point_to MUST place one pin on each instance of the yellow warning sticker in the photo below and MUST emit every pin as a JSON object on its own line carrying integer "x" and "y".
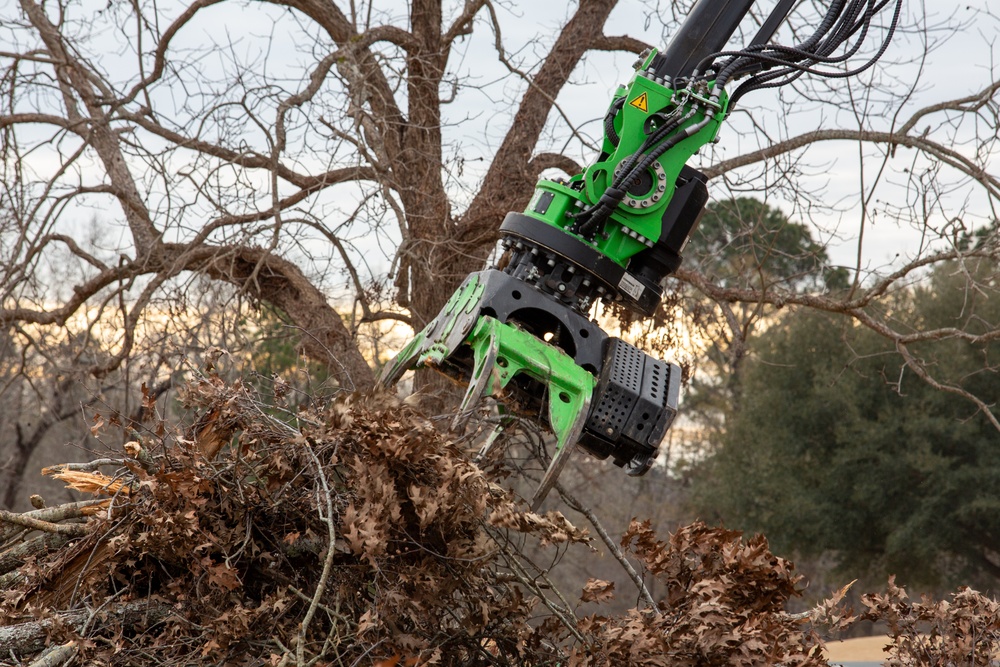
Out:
{"x": 641, "y": 103}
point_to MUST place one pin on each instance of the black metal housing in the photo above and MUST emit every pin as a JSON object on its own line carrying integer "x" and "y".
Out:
{"x": 633, "y": 406}
{"x": 575, "y": 274}
{"x": 705, "y": 31}
{"x": 512, "y": 301}
{"x": 679, "y": 220}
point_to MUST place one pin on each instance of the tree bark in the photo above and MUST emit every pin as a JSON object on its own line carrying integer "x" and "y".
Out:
{"x": 15, "y": 557}
{"x": 279, "y": 282}
{"x": 33, "y": 636}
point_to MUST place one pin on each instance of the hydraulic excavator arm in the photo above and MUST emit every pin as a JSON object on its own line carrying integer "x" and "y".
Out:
{"x": 522, "y": 331}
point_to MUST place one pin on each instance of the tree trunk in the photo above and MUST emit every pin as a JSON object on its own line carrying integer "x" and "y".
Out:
{"x": 282, "y": 284}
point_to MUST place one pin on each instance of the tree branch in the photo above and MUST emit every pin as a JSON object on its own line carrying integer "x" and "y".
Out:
{"x": 508, "y": 184}
{"x": 544, "y": 161}
{"x": 618, "y": 43}
{"x": 77, "y": 79}
{"x": 462, "y": 25}
{"x": 33, "y": 636}
{"x": 946, "y": 155}
{"x": 281, "y": 283}
{"x": 72, "y": 530}
{"x": 640, "y": 585}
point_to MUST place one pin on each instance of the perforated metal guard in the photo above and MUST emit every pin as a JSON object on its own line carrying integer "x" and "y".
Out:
{"x": 654, "y": 411}
{"x": 618, "y": 389}
{"x": 635, "y": 402}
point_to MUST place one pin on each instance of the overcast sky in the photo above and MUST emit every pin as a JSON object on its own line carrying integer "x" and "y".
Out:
{"x": 480, "y": 117}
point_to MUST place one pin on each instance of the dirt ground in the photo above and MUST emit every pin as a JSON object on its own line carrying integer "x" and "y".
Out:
{"x": 862, "y": 649}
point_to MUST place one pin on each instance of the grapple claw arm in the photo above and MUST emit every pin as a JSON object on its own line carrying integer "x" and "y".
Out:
{"x": 442, "y": 335}
{"x": 501, "y": 353}
{"x": 621, "y": 410}
{"x": 485, "y": 361}
{"x": 567, "y": 434}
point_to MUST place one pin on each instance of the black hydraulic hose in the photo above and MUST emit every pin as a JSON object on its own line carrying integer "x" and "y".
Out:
{"x": 589, "y": 218}
{"x": 609, "y": 121}
{"x": 614, "y": 195}
{"x": 848, "y": 26}
{"x": 842, "y": 19}
{"x": 797, "y": 60}
{"x": 628, "y": 168}
{"x": 828, "y": 21}
{"x": 793, "y": 72}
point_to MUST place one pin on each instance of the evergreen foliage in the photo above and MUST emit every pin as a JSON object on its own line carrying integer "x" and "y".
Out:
{"x": 743, "y": 241}
{"x": 839, "y": 447}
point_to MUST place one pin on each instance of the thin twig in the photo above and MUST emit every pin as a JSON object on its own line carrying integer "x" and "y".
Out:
{"x": 327, "y": 562}
{"x": 522, "y": 576}
{"x": 572, "y": 501}
{"x": 93, "y": 614}
{"x": 309, "y": 598}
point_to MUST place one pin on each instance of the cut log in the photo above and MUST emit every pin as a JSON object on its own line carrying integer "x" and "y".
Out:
{"x": 14, "y": 557}
{"x": 31, "y": 637}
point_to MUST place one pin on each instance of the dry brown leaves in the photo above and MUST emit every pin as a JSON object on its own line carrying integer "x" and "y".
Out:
{"x": 724, "y": 606}
{"x": 363, "y": 536}
{"x": 962, "y": 631}
{"x": 240, "y": 548}
{"x": 550, "y": 528}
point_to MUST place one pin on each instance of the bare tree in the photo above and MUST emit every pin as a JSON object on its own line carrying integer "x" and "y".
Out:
{"x": 297, "y": 148}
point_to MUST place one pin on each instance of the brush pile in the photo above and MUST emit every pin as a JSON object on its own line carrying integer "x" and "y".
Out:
{"x": 361, "y": 535}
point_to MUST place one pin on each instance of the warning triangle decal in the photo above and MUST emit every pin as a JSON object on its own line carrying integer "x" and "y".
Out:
{"x": 641, "y": 103}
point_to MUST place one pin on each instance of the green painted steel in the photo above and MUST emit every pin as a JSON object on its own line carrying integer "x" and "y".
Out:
{"x": 442, "y": 335}
{"x": 516, "y": 351}
{"x": 502, "y": 352}
{"x": 647, "y": 105}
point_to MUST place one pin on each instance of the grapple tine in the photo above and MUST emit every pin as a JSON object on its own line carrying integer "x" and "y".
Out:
{"x": 487, "y": 447}
{"x": 442, "y": 335}
{"x": 404, "y": 361}
{"x": 567, "y": 435}
{"x": 482, "y": 373}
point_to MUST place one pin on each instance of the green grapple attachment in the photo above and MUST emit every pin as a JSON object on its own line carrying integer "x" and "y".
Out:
{"x": 626, "y": 218}
{"x": 522, "y": 332}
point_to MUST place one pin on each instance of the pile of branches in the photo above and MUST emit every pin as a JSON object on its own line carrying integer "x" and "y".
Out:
{"x": 360, "y": 534}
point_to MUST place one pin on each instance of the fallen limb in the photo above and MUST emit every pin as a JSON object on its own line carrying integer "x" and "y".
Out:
{"x": 11, "y": 580}
{"x": 15, "y": 556}
{"x": 74, "y": 530}
{"x": 56, "y": 656}
{"x": 95, "y": 483}
{"x": 87, "y": 466}
{"x": 54, "y": 515}
{"x": 33, "y": 636}
{"x": 610, "y": 544}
